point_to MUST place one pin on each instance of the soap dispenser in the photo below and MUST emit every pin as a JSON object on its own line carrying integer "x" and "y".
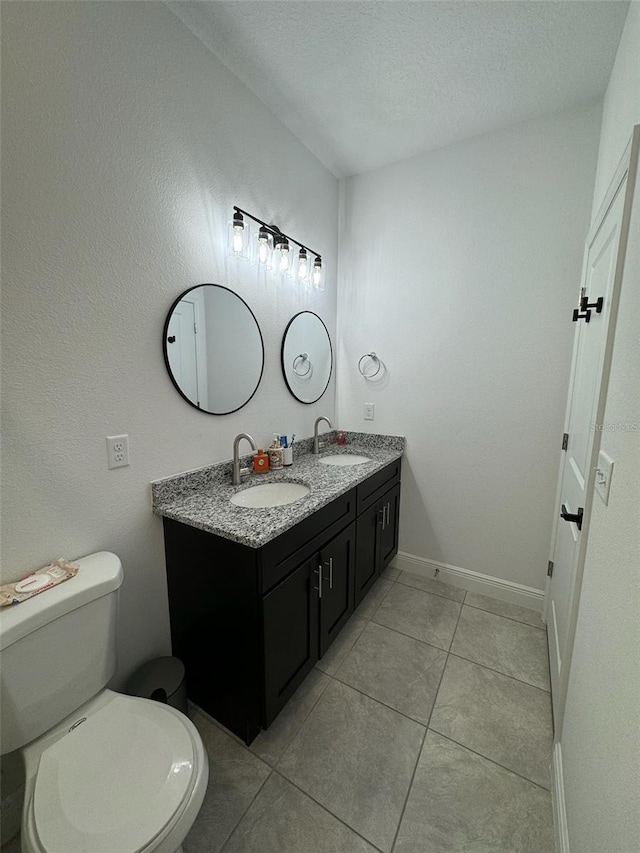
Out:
{"x": 276, "y": 460}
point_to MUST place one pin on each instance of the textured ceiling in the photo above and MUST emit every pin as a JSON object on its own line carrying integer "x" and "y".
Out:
{"x": 363, "y": 84}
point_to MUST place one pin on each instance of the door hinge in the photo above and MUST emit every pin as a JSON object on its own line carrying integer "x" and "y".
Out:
{"x": 550, "y": 568}
{"x": 565, "y": 440}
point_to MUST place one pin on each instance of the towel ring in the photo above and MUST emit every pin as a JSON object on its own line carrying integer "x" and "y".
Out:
{"x": 374, "y": 358}
{"x": 304, "y": 357}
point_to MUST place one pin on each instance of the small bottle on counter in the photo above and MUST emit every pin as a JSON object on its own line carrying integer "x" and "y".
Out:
{"x": 341, "y": 438}
{"x": 275, "y": 454}
{"x": 260, "y": 462}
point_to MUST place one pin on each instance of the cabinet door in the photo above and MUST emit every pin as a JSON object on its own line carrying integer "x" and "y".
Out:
{"x": 389, "y": 528}
{"x": 368, "y": 528}
{"x": 290, "y": 619}
{"x": 337, "y": 564}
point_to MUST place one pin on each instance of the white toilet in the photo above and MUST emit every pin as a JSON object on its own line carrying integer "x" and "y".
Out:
{"x": 105, "y": 773}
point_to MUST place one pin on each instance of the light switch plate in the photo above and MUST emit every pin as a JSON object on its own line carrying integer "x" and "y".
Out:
{"x": 604, "y": 472}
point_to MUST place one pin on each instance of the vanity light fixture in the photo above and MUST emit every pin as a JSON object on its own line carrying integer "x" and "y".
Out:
{"x": 273, "y": 249}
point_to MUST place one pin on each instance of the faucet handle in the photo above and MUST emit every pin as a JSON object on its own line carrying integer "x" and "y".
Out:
{"x": 244, "y": 471}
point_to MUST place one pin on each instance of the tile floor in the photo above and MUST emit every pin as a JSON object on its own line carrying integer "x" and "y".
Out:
{"x": 425, "y": 729}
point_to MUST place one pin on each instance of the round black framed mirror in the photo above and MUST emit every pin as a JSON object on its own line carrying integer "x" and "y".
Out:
{"x": 307, "y": 357}
{"x": 213, "y": 349}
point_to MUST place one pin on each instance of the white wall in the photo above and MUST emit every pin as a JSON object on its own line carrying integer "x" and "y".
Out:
{"x": 125, "y": 144}
{"x": 621, "y": 107}
{"x": 601, "y": 733}
{"x": 460, "y": 268}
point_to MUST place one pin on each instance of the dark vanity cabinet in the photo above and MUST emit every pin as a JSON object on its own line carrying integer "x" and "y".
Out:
{"x": 250, "y": 623}
{"x": 336, "y": 568}
{"x": 302, "y": 616}
{"x": 290, "y": 619}
{"x": 377, "y": 526}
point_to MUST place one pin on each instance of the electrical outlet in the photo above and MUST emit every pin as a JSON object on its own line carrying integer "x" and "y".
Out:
{"x": 369, "y": 411}
{"x": 118, "y": 451}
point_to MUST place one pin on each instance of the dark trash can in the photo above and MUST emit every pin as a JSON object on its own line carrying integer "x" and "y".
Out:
{"x": 161, "y": 679}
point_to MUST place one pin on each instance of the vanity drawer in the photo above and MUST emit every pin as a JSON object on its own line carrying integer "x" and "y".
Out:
{"x": 377, "y": 485}
{"x": 283, "y": 554}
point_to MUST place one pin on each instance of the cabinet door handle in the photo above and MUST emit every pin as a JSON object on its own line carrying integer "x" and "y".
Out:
{"x": 319, "y": 587}
{"x": 381, "y": 516}
{"x": 387, "y": 513}
{"x": 328, "y": 563}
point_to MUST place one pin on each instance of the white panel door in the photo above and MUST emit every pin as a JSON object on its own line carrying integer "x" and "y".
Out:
{"x": 602, "y": 272}
{"x": 181, "y": 349}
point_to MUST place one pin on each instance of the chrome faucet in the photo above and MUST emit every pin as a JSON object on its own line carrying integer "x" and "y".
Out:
{"x": 236, "y": 478}
{"x": 316, "y": 440}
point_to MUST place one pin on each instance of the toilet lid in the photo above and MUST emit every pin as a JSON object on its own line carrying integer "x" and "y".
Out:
{"x": 115, "y": 781}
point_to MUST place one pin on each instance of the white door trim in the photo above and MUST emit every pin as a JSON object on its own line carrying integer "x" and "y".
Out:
{"x": 196, "y": 298}
{"x": 560, "y": 825}
{"x": 627, "y": 169}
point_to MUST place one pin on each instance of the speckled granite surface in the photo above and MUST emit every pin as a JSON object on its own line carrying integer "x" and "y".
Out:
{"x": 201, "y": 498}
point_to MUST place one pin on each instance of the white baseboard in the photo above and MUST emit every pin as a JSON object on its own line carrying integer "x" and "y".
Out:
{"x": 514, "y": 593}
{"x": 557, "y": 798}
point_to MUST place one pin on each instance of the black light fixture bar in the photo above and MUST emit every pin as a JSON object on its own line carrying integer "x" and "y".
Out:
{"x": 275, "y": 231}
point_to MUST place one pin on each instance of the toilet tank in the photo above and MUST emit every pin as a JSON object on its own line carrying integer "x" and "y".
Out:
{"x": 57, "y": 650}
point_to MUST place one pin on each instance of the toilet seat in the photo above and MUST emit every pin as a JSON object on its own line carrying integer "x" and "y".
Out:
{"x": 116, "y": 781}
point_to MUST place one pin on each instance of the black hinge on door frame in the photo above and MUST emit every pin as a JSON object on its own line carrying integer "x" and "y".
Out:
{"x": 550, "y": 568}
{"x": 565, "y": 440}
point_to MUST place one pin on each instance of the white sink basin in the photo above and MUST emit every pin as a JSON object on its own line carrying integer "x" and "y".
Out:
{"x": 344, "y": 459}
{"x": 270, "y": 494}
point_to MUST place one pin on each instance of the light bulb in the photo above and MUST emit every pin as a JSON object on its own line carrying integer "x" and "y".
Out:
{"x": 263, "y": 246}
{"x": 285, "y": 260}
{"x": 303, "y": 265}
{"x": 317, "y": 273}
{"x": 238, "y": 234}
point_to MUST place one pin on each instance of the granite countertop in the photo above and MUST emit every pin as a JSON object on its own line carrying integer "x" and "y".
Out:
{"x": 201, "y": 498}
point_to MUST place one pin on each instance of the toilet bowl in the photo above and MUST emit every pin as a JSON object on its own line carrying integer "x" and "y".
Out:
{"x": 105, "y": 773}
{"x": 122, "y": 774}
